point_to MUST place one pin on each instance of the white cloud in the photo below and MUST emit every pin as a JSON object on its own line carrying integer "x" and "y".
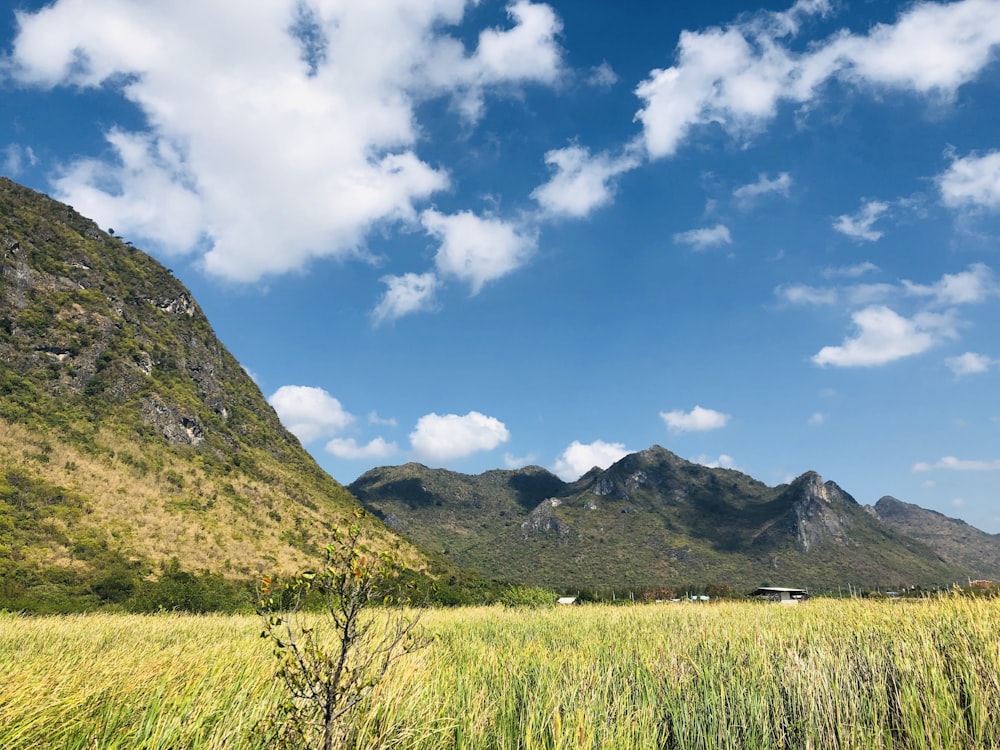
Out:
{"x": 696, "y": 420}
{"x": 702, "y": 239}
{"x": 850, "y": 272}
{"x": 516, "y": 462}
{"x": 475, "y": 249}
{"x": 449, "y": 436}
{"x": 803, "y": 294}
{"x": 884, "y": 336}
{"x": 748, "y": 194}
{"x": 374, "y": 418}
{"x": 580, "y": 182}
{"x": 972, "y": 181}
{"x": 309, "y": 413}
{"x": 817, "y": 419}
{"x": 602, "y": 76}
{"x": 966, "y": 287}
{"x": 724, "y": 461}
{"x": 16, "y": 158}
{"x": 406, "y": 294}
{"x": 860, "y": 225}
{"x": 348, "y": 449}
{"x": 267, "y": 147}
{"x": 958, "y": 502}
{"x": 970, "y": 363}
{"x": 957, "y": 464}
{"x": 579, "y": 458}
{"x": 738, "y": 75}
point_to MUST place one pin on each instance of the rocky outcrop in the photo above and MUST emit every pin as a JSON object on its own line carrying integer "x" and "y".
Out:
{"x": 542, "y": 520}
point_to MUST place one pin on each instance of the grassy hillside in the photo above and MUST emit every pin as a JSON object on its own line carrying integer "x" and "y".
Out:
{"x": 129, "y": 435}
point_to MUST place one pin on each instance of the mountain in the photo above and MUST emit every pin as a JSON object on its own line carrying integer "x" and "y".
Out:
{"x": 129, "y": 435}
{"x": 953, "y": 540}
{"x": 650, "y": 520}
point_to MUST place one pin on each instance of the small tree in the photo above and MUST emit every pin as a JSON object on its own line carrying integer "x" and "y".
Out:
{"x": 332, "y": 659}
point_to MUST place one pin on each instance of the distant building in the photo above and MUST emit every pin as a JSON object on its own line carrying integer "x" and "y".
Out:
{"x": 981, "y": 584}
{"x": 780, "y": 595}
{"x": 566, "y": 600}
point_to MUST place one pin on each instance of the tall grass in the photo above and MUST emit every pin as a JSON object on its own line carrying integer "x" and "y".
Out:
{"x": 829, "y": 674}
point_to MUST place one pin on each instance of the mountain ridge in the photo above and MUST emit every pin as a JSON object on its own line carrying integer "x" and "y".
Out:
{"x": 651, "y": 519}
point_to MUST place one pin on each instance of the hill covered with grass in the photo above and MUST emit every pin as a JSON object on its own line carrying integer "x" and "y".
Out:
{"x": 133, "y": 445}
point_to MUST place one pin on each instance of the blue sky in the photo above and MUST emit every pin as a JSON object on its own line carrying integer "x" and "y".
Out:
{"x": 483, "y": 235}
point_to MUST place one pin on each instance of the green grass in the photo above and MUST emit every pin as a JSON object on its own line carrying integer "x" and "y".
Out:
{"x": 828, "y": 674}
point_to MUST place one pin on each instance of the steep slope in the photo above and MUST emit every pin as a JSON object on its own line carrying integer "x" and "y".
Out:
{"x": 652, "y": 519}
{"x": 128, "y": 434}
{"x": 952, "y": 539}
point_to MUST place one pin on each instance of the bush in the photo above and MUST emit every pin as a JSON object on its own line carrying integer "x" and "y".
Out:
{"x": 527, "y": 596}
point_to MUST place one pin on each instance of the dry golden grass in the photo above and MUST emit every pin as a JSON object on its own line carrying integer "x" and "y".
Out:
{"x": 157, "y": 504}
{"x": 851, "y": 675}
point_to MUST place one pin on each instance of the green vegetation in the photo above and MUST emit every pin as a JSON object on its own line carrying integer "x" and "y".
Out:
{"x": 853, "y": 674}
{"x": 332, "y": 661}
{"x": 129, "y": 436}
{"x": 651, "y": 520}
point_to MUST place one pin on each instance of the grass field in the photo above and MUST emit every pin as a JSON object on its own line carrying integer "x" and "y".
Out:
{"x": 828, "y": 674}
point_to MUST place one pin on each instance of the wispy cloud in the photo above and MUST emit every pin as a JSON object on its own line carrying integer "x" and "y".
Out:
{"x": 702, "y": 239}
{"x": 850, "y": 272}
{"x": 859, "y": 226}
{"x": 881, "y": 333}
{"x": 404, "y": 295}
{"x": 747, "y": 195}
{"x": 974, "y": 285}
{"x": 951, "y": 463}
{"x": 970, "y": 363}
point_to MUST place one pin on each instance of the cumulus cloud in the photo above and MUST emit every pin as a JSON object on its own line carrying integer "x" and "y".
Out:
{"x": 406, "y": 294}
{"x": 737, "y": 76}
{"x": 724, "y": 461}
{"x": 967, "y": 287}
{"x": 970, "y": 363}
{"x": 476, "y": 249}
{"x": 860, "y": 226}
{"x": 746, "y": 195}
{"x": 972, "y": 182}
{"x": 309, "y": 413}
{"x": 952, "y": 463}
{"x": 348, "y": 449}
{"x": 580, "y": 182}
{"x": 275, "y": 135}
{"x": 579, "y": 458}
{"x": 450, "y": 436}
{"x": 883, "y": 335}
{"x": 702, "y": 239}
{"x": 696, "y": 420}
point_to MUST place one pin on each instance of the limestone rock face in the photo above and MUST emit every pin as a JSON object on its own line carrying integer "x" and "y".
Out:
{"x": 819, "y": 512}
